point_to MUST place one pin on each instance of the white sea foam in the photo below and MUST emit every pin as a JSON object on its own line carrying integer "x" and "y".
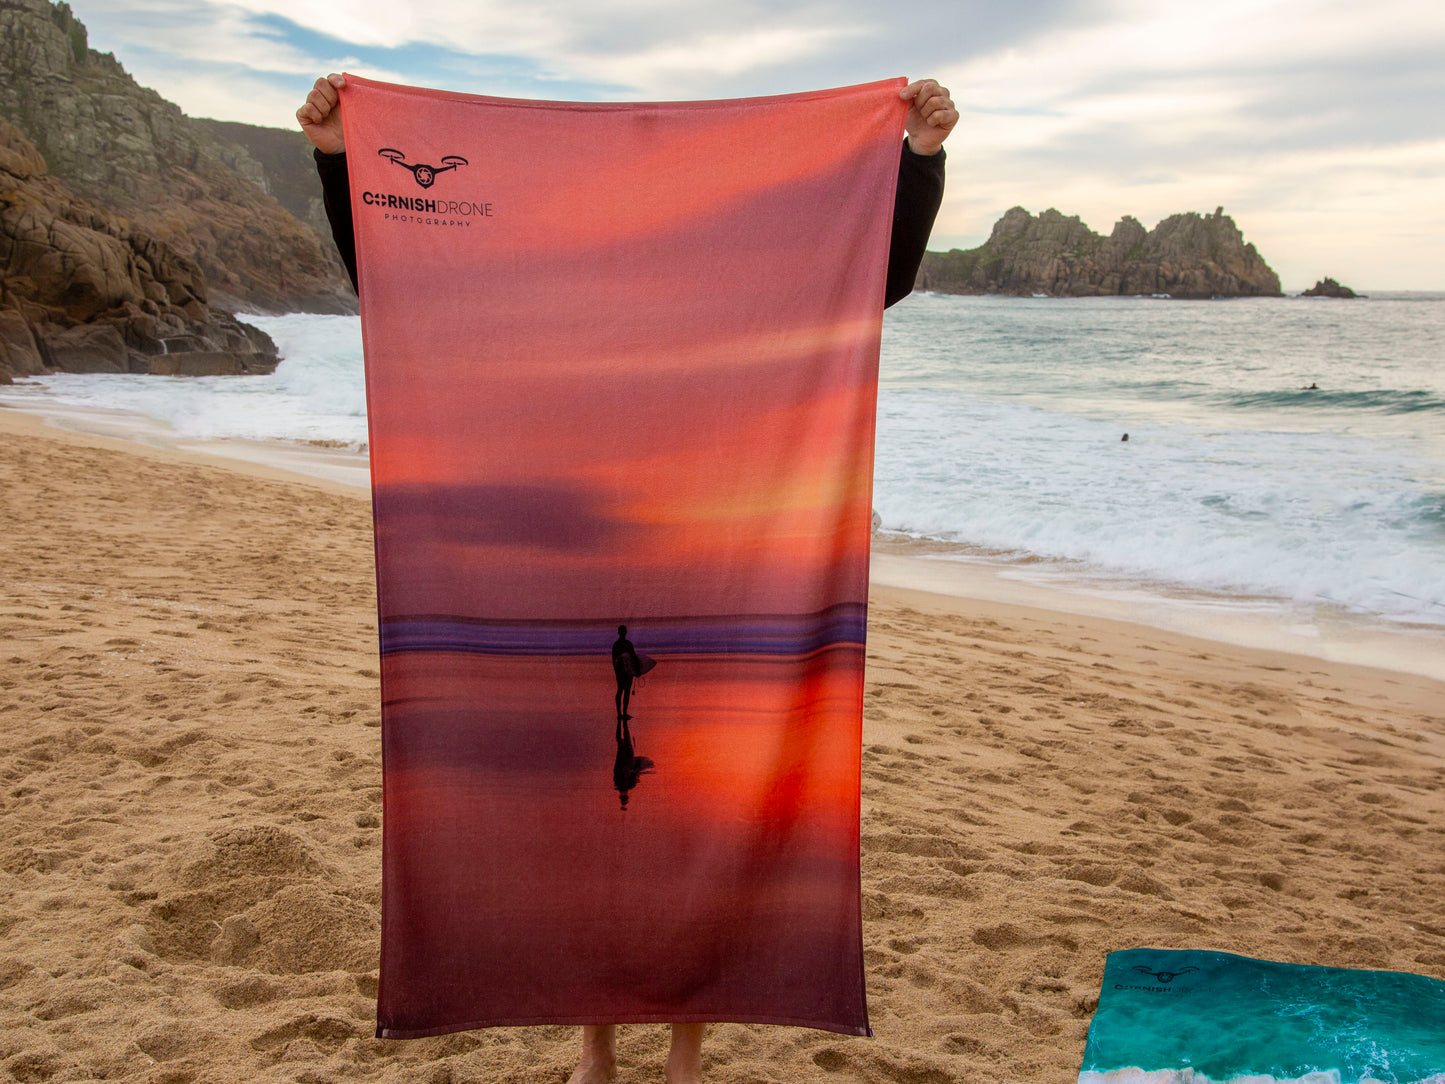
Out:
{"x": 1309, "y": 517}
{"x": 317, "y": 393}
{"x": 1000, "y": 422}
{"x": 999, "y": 427}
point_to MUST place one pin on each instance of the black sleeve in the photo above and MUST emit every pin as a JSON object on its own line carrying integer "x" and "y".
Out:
{"x": 336, "y": 195}
{"x": 920, "y": 191}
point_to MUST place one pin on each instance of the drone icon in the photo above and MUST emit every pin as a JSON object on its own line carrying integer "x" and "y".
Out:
{"x": 1165, "y": 976}
{"x": 425, "y": 175}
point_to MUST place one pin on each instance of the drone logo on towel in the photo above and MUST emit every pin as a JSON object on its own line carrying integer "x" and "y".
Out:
{"x": 1165, "y": 977}
{"x": 425, "y": 175}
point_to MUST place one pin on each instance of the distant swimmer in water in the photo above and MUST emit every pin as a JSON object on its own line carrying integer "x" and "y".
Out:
{"x": 1312, "y": 387}
{"x": 1124, "y": 438}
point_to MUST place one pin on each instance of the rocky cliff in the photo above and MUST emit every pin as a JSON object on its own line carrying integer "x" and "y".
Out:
{"x": 1185, "y": 256}
{"x": 182, "y": 182}
{"x": 84, "y": 290}
{"x": 288, "y": 172}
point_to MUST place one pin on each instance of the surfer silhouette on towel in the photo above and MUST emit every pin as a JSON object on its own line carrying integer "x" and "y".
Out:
{"x": 627, "y": 667}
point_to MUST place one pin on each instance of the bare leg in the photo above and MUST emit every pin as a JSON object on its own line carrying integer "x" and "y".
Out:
{"x": 599, "y": 1055}
{"x": 684, "y": 1060}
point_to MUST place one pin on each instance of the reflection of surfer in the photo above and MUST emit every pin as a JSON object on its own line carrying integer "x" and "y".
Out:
{"x": 628, "y": 767}
{"x": 627, "y": 667}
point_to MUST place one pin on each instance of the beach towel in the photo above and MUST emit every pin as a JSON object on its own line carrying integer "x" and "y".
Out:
{"x": 1189, "y": 1017}
{"x": 621, "y": 371}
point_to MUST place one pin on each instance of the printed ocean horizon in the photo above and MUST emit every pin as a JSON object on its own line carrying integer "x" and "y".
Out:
{"x": 1285, "y": 457}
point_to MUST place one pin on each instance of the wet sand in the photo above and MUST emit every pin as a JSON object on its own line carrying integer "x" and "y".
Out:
{"x": 190, "y": 804}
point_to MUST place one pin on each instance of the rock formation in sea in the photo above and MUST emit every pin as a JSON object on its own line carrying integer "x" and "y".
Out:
{"x": 1330, "y": 288}
{"x": 1185, "y": 256}
{"x": 83, "y": 290}
{"x": 95, "y": 152}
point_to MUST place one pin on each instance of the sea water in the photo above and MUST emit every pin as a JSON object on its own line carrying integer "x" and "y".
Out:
{"x": 1284, "y": 450}
{"x": 316, "y": 395}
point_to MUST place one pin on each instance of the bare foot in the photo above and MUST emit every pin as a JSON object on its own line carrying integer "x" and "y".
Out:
{"x": 691, "y": 1074}
{"x": 593, "y": 1071}
{"x": 684, "y": 1059}
{"x": 599, "y": 1056}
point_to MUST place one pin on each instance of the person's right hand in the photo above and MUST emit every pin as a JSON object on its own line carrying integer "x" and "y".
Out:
{"x": 320, "y": 117}
{"x": 931, "y": 115}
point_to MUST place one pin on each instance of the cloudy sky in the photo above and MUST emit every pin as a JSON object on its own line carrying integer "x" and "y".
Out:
{"x": 1318, "y": 124}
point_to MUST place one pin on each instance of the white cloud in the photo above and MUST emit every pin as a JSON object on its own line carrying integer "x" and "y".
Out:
{"x": 1317, "y": 123}
{"x": 654, "y": 49}
{"x": 1373, "y": 222}
{"x": 681, "y": 68}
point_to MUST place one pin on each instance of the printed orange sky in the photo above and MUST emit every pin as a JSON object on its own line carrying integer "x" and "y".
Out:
{"x": 645, "y": 355}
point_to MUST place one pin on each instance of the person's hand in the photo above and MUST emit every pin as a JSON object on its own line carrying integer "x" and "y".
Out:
{"x": 320, "y": 117}
{"x": 931, "y": 115}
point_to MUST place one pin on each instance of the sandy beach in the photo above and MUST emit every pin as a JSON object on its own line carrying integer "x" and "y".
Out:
{"x": 190, "y": 815}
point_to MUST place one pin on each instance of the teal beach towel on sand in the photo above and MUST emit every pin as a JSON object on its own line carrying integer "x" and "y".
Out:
{"x": 1190, "y": 1017}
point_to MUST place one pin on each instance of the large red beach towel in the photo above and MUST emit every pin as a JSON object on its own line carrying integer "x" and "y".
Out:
{"x": 621, "y": 370}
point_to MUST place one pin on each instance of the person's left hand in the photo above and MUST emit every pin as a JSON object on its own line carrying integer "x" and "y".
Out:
{"x": 931, "y": 115}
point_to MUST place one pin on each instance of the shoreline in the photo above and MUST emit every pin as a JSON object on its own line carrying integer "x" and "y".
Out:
{"x": 1262, "y": 624}
{"x": 190, "y": 829}
{"x": 898, "y": 562}
{"x": 330, "y": 469}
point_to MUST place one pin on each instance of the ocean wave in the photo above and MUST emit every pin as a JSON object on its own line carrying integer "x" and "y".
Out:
{"x": 1376, "y": 400}
{"x": 1308, "y": 518}
{"x": 317, "y": 395}
{"x": 999, "y": 431}
{"x": 1385, "y": 400}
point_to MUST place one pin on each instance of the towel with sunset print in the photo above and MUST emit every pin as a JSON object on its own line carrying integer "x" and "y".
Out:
{"x": 621, "y": 366}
